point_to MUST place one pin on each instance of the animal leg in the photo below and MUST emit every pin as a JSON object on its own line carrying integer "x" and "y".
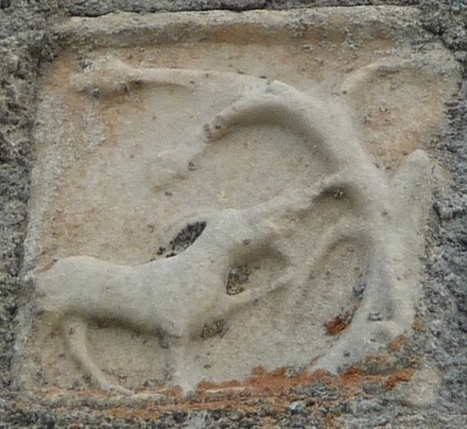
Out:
{"x": 299, "y": 271}
{"x": 264, "y": 216}
{"x": 74, "y": 331}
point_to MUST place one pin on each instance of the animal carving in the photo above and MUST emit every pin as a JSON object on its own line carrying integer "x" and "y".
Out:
{"x": 173, "y": 297}
{"x": 176, "y": 297}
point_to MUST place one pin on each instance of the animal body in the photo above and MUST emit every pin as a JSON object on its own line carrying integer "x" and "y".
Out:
{"x": 173, "y": 297}
{"x": 176, "y": 297}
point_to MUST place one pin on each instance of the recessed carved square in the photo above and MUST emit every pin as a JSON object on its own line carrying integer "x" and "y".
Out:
{"x": 216, "y": 192}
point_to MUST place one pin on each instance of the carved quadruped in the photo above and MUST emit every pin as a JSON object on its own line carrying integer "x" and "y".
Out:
{"x": 177, "y": 298}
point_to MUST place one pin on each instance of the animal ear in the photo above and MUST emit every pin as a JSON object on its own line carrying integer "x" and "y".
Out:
{"x": 399, "y": 102}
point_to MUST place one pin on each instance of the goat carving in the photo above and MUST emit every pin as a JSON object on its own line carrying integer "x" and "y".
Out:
{"x": 176, "y": 297}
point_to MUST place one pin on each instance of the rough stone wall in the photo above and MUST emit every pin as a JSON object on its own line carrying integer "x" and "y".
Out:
{"x": 26, "y": 47}
{"x": 22, "y": 52}
{"x": 96, "y": 8}
{"x": 446, "y": 291}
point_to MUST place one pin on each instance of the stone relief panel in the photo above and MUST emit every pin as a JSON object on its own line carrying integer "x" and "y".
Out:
{"x": 252, "y": 192}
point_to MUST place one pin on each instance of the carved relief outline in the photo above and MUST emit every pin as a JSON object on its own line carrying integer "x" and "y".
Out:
{"x": 383, "y": 195}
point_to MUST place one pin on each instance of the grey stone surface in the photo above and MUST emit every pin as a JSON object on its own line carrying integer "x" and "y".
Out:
{"x": 97, "y": 8}
{"x": 26, "y": 46}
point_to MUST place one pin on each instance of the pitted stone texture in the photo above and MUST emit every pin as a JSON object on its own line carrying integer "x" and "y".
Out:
{"x": 99, "y": 7}
{"x": 293, "y": 138}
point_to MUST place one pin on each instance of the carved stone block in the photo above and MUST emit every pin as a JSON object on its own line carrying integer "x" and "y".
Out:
{"x": 215, "y": 192}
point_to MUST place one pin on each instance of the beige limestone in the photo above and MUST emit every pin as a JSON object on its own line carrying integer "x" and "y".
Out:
{"x": 212, "y": 190}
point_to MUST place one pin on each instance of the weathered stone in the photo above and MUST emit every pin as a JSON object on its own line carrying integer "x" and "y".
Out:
{"x": 307, "y": 172}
